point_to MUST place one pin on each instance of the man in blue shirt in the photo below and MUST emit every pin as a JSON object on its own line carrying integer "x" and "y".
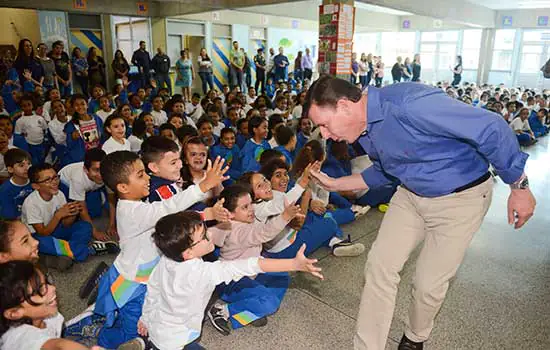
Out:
{"x": 439, "y": 149}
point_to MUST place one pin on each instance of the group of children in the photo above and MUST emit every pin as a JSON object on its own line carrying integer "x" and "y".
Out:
{"x": 208, "y": 195}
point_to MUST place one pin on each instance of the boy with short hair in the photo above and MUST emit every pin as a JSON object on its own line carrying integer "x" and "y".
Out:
{"x": 105, "y": 109}
{"x": 228, "y": 150}
{"x": 215, "y": 114}
{"x": 14, "y": 191}
{"x": 194, "y": 109}
{"x": 182, "y": 283}
{"x": 286, "y": 139}
{"x": 159, "y": 115}
{"x": 122, "y": 289}
{"x": 33, "y": 128}
{"x": 81, "y": 182}
{"x": 169, "y": 131}
{"x": 53, "y": 221}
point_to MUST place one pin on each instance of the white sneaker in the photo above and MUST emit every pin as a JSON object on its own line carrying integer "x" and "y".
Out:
{"x": 359, "y": 210}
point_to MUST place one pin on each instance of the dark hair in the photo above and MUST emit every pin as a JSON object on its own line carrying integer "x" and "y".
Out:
{"x": 232, "y": 193}
{"x": 274, "y": 120}
{"x": 16, "y": 155}
{"x": 186, "y": 131}
{"x": 73, "y": 53}
{"x": 240, "y": 122}
{"x": 154, "y": 148}
{"x": 185, "y": 170}
{"x": 15, "y": 279}
{"x": 173, "y": 232}
{"x": 6, "y": 231}
{"x": 197, "y": 95}
{"x": 311, "y": 152}
{"x": 57, "y": 43}
{"x": 270, "y": 167}
{"x": 213, "y": 109}
{"x": 167, "y": 126}
{"x": 21, "y": 60}
{"x": 116, "y": 168}
{"x": 268, "y": 155}
{"x": 177, "y": 115}
{"x": 328, "y": 90}
{"x": 284, "y": 135}
{"x": 35, "y": 170}
{"x": 93, "y": 155}
{"x": 139, "y": 128}
{"x": 76, "y": 117}
{"x": 109, "y": 121}
{"x": 227, "y": 131}
{"x": 27, "y": 97}
{"x": 204, "y": 120}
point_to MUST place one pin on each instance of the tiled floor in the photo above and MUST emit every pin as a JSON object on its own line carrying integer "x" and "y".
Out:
{"x": 500, "y": 298}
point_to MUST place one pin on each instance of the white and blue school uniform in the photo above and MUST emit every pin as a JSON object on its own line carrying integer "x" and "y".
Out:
{"x": 251, "y": 153}
{"x": 29, "y": 337}
{"x": 288, "y": 155}
{"x": 122, "y": 290}
{"x": 231, "y": 157}
{"x": 77, "y": 186}
{"x": 33, "y": 128}
{"x": 69, "y": 241}
{"x": 12, "y": 197}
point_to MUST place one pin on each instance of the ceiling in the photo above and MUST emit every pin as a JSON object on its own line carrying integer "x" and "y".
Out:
{"x": 512, "y": 4}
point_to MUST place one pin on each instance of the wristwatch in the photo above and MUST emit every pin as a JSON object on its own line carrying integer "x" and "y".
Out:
{"x": 521, "y": 184}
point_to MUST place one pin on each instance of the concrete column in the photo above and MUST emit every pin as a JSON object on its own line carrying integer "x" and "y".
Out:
{"x": 485, "y": 55}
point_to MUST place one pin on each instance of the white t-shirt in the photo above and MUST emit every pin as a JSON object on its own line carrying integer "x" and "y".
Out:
{"x": 136, "y": 221}
{"x": 111, "y": 146}
{"x": 195, "y": 112}
{"x": 74, "y": 176}
{"x": 178, "y": 293}
{"x": 250, "y": 100}
{"x": 103, "y": 115}
{"x": 217, "y": 130}
{"x": 30, "y": 337}
{"x": 56, "y": 129}
{"x": 36, "y": 210}
{"x": 159, "y": 118}
{"x": 519, "y": 125}
{"x": 32, "y": 127}
{"x": 297, "y": 112}
{"x": 3, "y": 168}
{"x": 135, "y": 143}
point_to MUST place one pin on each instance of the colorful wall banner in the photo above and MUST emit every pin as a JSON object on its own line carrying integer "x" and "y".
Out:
{"x": 336, "y": 26}
{"x": 85, "y": 39}
{"x": 220, "y": 57}
{"x": 53, "y": 27}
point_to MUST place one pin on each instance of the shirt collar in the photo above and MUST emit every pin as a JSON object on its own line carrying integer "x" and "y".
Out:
{"x": 374, "y": 110}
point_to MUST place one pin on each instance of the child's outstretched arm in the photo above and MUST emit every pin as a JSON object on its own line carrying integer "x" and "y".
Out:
{"x": 65, "y": 344}
{"x": 299, "y": 263}
{"x": 215, "y": 175}
{"x": 217, "y": 212}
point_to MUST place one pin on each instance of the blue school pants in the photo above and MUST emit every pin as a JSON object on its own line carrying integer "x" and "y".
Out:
{"x": 121, "y": 322}
{"x": 67, "y": 241}
{"x": 316, "y": 232}
{"x": 38, "y": 154}
{"x": 251, "y": 299}
{"x": 377, "y": 195}
{"x": 94, "y": 201}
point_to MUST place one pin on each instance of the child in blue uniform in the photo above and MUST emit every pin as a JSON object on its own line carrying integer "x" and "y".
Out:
{"x": 254, "y": 147}
{"x": 14, "y": 191}
{"x": 286, "y": 139}
{"x": 229, "y": 151}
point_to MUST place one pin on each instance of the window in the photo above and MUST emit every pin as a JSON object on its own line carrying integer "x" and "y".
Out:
{"x": 449, "y": 35}
{"x": 503, "y": 48}
{"x": 129, "y": 31}
{"x": 397, "y": 44}
{"x": 470, "y": 48}
{"x": 366, "y": 43}
{"x": 531, "y": 58}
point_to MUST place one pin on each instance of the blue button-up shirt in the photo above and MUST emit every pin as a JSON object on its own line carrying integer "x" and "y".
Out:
{"x": 432, "y": 143}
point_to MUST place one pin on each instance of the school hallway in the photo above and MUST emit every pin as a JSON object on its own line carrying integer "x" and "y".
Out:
{"x": 500, "y": 298}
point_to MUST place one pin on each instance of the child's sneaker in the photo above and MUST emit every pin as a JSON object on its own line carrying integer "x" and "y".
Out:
{"x": 219, "y": 317}
{"x": 359, "y": 210}
{"x": 102, "y": 248}
{"x": 347, "y": 248}
{"x": 261, "y": 322}
{"x": 84, "y": 327}
{"x": 134, "y": 344}
{"x": 93, "y": 280}
{"x": 93, "y": 296}
{"x": 59, "y": 263}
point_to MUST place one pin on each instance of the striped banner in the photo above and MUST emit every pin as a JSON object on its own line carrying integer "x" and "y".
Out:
{"x": 255, "y": 44}
{"x": 220, "y": 57}
{"x": 84, "y": 39}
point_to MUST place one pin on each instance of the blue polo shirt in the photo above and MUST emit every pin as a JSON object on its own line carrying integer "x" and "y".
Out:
{"x": 432, "y": 143}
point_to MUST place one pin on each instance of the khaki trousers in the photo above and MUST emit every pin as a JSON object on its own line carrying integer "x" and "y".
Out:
{"x": 446, "y": 225}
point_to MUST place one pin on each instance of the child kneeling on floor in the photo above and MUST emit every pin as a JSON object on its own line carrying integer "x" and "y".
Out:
{"x": 248, "y": 300}
{"x": 182, "y": 283}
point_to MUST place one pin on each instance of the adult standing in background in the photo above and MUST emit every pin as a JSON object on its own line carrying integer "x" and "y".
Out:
{"x": 280, "y": 64}
{"x": 142, "y": 60}
{"x": 120, "y": 65}
{"x": 161, "y": 64}
{"x": 354, "y": 69}
{"x": 271, "y": 64}
{"x": 407, "y": 70}
{"x": 433, "y": 145}
{"x": 26, "y": 62}
{"x": 185, "y": 74}
{"x": 363, "y": 71}
{"x": 397, "y": 70}
{"x": 259, "y": 61}
{"x": 298, "y": 70}
{"x": 236, "y": 67}
{"x": 80, "y": 69}
{"x": 457, "y": 71}
{"x": 96, "y": 68}
{"x": 379, "y": 71}
{"x": 416, "y": 68}
{"x": 307, "y": 65}
{"x": 63, "y": 70}
{"x": 49, "y": 81}
{"x": 205, "y": 71}
{"x": 247, "y": 72}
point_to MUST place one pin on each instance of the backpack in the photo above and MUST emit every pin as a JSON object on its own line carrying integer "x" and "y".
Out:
{"x": 546, "y": 69}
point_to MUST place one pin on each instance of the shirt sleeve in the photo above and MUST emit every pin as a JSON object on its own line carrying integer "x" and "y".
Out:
{"x": 374, "y": 176}
{"x": 31, "y": 213}
{"x": 437, "y": 114}
{"x": 227, "y": 271}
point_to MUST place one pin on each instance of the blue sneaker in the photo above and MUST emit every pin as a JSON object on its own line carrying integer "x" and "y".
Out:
{"x": 85, "y": 327}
